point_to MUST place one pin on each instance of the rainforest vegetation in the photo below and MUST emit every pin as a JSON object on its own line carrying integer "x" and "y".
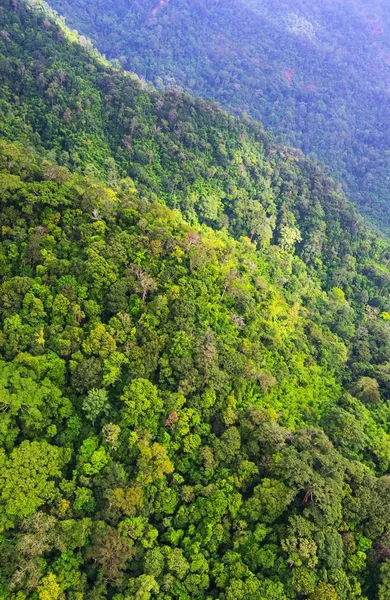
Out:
{"x": 194, "y": 347}
{"x": 317, "y": 72}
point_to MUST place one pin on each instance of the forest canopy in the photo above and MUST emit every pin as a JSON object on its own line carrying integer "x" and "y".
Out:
{"x": 194, "y": 347}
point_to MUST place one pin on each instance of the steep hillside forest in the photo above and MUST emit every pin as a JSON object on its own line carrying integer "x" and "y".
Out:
{"x": 194, "y": 346}
{"x": 316, "y": 72}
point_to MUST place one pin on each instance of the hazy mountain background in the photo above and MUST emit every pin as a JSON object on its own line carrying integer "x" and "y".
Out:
{"x": 317, "y": 72}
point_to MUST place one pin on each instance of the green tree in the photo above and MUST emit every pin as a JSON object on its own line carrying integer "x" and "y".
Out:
{"x": 28, "y": 479}
{"x": 96, "y": 404}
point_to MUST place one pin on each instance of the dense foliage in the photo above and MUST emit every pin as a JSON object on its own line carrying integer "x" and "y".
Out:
{"x": 194, "y": 398}
{"x": 316, "y": 72}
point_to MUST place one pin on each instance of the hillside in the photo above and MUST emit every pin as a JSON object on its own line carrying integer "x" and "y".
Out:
{"x": 194, "y": 347}
{"x": 317, "y": 73}
{"x": 61, "y": 99}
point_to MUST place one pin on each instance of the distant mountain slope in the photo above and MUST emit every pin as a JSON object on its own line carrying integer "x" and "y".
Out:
{"x": 225, "y": 172}
{"x": 316, "y": 72}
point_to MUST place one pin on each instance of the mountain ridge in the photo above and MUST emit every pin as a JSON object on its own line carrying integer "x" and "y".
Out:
{"x": 326, "y": 93}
